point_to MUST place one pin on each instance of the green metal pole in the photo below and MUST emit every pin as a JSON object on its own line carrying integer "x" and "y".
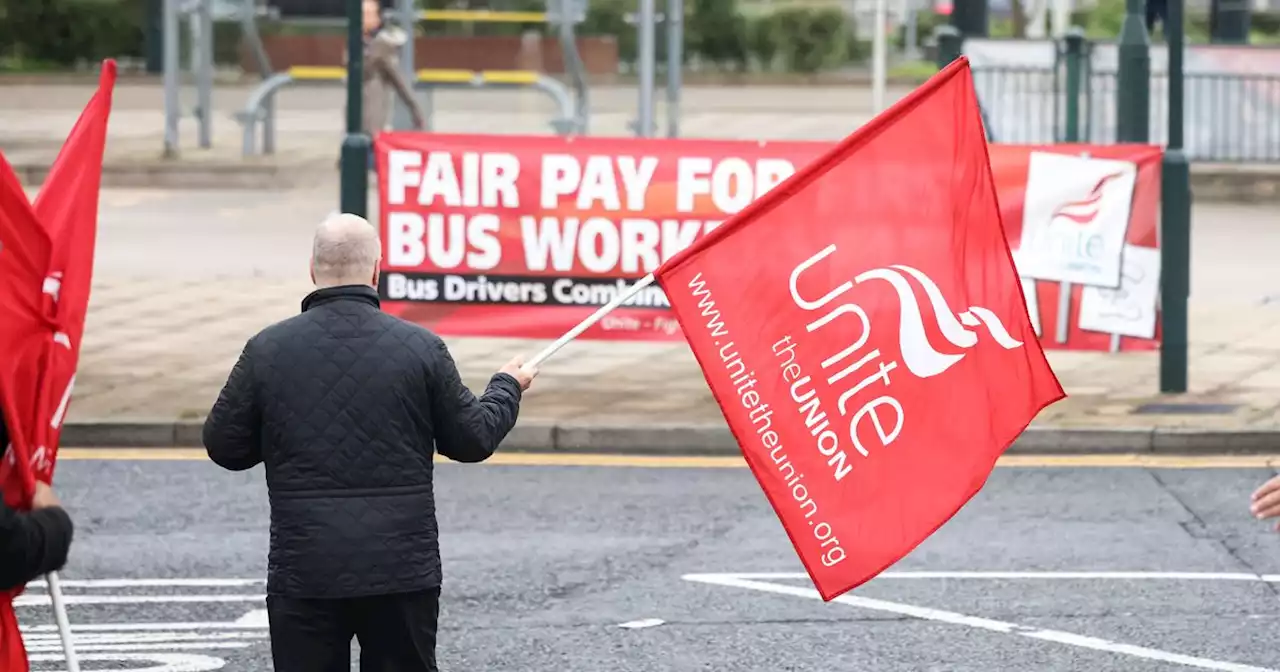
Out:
{"x": 1229, "y": 22}
{"x": 354, "y": 182}
{"x": 153, "y": 36}
{"x": 970, "y": 17}
{"x": 1175, "y": 221}
{"x": 1133, "y": 84}
{"x": 1074, "y": 40}
{"x": 950, "y": 44}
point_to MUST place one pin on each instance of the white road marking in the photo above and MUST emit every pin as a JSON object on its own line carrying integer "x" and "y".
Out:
{"x": 642, "y": 623}
{"x": 1017, "y": 576}
{"x": 254, "y": 619}
{"x": 1003, "y": 627}
{"x": 153, "y": 644}
{"x": 69, "y": 600}
{"x": 999, "y": 575}
{"x": 138, "y": 638}
{"x": 142, "y": 627}
{"x": 167, "y": 662}
{"x": 178, "y": 646}
{"x": 152, "y": 583}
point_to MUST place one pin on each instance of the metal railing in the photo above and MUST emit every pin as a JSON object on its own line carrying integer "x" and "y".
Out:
{"x": 1229, "y": 117}
{"x": 1061, "y": 96}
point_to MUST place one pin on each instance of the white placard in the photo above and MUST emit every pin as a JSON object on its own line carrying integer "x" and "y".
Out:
{"x": 1075, "y": 217}
{"x": 1028, "y": 292}
{"x": 1033, "y": 302}
{"x": 1131, "y": 309}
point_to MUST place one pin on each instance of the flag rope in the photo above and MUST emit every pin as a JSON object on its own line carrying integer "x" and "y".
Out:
{"x": 575, "y": 332}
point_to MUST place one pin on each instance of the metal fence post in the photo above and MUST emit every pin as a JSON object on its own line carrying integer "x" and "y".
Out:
{"x": 406, "y": 14}
{"x": 675, "y": 64}
{"x": 354, "y": 190}
{"x": 172, "y": 104}
{"x": 1175, "y": 222}
{"x": 204, "y": 72}
{"x": 970, "y": 17}
{"x": 646, "y": 56}
{"x": 1074, "y": 42}
{"x": 153, "y": 36}
{"x": 1133, "y": 81}
{"x": 950, "y": 44}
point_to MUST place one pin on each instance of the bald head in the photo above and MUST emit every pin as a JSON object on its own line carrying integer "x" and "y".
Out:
{"x": 346, "y": 252}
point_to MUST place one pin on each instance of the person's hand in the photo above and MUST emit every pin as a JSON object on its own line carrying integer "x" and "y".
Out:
{"x": 523, "y": 374}
{"x": 1265, "y": 502}
{"x": 44, "y": 497}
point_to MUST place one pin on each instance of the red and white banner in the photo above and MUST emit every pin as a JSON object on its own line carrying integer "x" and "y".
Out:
{"x": 863, "y": 329}
{"x": 526, "y": 236}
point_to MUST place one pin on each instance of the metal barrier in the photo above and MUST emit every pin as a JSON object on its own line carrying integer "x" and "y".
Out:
{"x": 1230, "y": 118}
{"x": 199, "y": 13}
{"x": 1050, "y": 92}
{"x": 261, "y": 104}
{"x": 564, "y": 14}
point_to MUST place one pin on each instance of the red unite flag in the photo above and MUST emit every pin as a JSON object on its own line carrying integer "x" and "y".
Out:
{"x": 865, "y": 334}
{"x": 46, "y": 269}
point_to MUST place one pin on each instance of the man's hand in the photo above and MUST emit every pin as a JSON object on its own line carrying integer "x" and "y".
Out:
{"x": 523, "y": 374}
{"x": 1265, "y": 502}
{"x": 44, "y": 497}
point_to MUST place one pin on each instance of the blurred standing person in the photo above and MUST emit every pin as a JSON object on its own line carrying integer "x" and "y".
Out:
{"x": 382, "y": 76}
{"x": 345, "y": 405}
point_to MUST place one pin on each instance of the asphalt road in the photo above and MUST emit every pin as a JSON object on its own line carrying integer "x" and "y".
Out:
{"x": 543, "y": 565}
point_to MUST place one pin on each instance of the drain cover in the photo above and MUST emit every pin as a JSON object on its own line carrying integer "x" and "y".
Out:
{"x": 1186, "y": 409}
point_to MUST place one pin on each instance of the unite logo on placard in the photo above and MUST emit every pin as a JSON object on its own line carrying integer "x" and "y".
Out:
{"x": 1085, "y": 210}
{"x": 1075, "y": 218}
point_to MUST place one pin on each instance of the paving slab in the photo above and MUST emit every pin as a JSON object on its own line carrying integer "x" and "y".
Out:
{"x": 183, "y": 278}
{"x": 155, "y": 355}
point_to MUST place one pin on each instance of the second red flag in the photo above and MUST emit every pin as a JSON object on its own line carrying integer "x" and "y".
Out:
{"x": 864, "y": 331}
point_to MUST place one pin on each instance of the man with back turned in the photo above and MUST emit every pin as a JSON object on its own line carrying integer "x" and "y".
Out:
{"x": 344, "y": 405}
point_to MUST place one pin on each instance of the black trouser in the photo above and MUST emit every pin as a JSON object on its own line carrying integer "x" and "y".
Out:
{"x": 397, "y": 633}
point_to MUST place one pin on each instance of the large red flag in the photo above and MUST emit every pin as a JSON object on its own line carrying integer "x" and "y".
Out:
{"x": 864, "y": 332}
{"x": 24, "y": 254}
{"x": 67, "y": 206}
{"x": 46, "y": 269}
{"x": 25, "y": 251}
{"x": 67, "y": 212}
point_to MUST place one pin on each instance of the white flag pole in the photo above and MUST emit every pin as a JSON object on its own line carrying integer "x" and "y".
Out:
{"x": 575, "y": 332}
{"x": 64, "y": 625}
{"x": 879, "y": 66}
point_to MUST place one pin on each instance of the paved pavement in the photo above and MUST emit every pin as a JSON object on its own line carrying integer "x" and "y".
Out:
{"x": 182, "y": 279}
{"x": 1055, "y": 569}
{"x": 34, "y": 120}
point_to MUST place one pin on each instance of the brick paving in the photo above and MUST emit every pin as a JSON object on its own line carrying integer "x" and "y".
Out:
{"x": 160, "y": 354}
{"x": 183, "y": 279}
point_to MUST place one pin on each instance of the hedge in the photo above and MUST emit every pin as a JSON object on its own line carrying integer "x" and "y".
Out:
{"x": 720, "y": 34}
{"x": 64, "y": 33}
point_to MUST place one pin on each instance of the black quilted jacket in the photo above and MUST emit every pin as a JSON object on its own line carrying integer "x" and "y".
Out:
{"x": 343, "y": 404}
{"x": 31, "y": 542}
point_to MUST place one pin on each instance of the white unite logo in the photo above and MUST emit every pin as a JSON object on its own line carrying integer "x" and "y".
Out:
{"x": 918, "y": 355}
